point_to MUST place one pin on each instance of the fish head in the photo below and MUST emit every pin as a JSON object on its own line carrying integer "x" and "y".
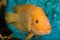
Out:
{"x": 40, "y": 22}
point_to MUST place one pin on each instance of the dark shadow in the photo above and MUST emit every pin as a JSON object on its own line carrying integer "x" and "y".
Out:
{"x": 3, "y": 26}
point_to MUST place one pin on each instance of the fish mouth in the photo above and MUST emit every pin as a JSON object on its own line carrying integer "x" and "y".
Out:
{"x": 42, "y": 32}
{"x": 46, "y": 31}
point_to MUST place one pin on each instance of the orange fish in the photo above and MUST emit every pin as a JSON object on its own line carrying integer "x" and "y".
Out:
{"x": 29, "y": 18}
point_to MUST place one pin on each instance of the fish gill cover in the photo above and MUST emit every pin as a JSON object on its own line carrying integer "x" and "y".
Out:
{"x": 51, "y": 8}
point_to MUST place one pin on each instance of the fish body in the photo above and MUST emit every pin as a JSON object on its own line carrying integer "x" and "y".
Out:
{"x": 29, "y": 18}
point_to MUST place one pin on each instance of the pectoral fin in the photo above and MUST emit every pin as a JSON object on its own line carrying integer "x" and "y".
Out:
{"x": 29, "y": 36}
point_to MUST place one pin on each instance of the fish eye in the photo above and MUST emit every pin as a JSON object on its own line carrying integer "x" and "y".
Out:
{"x": 37, "y": 21}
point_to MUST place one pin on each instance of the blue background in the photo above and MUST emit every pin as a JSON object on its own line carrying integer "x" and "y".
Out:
{"x": 51, "y": 8}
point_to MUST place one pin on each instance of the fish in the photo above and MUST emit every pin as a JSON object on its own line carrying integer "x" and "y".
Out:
{"x": 29, "y": 18}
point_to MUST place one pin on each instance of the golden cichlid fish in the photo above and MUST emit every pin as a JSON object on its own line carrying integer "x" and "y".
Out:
{"x": 29, "y": 18}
